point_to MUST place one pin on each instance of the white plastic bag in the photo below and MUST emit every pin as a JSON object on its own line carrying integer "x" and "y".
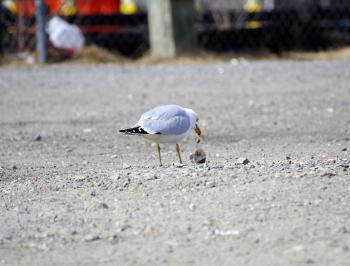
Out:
{"x": 65, "y": 36}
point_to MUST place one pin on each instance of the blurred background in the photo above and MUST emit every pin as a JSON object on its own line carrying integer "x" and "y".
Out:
{"x": 221, "y": 26}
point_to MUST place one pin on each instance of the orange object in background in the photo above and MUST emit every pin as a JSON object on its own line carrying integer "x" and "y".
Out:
{"x": 27, "y": 7}
{"x": 84, "y": 7}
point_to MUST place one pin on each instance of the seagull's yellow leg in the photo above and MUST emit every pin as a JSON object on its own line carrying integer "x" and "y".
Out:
{"x": 178, "y": 152}
{"x": 160, "y": 158}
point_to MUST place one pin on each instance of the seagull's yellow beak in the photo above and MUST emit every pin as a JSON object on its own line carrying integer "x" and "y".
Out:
{"x": 198, "y": 132}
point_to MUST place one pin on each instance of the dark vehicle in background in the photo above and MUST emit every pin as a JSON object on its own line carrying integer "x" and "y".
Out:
{"x": 277, "y": 25}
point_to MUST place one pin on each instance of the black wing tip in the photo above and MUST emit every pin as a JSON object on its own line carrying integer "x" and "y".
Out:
{"x": 134, "y": 130}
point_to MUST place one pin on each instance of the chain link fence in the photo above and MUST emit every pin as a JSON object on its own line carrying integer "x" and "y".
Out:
{"x": 275, "y": 25}
{"x": 222, "y": 25}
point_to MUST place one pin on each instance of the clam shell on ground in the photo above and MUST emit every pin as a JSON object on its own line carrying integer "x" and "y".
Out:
{"x": 198, "y": 156}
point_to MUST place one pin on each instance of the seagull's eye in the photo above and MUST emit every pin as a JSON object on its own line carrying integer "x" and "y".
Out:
{"x": 197, "y": 119}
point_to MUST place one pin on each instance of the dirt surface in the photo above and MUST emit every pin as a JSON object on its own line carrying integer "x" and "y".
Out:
{"x": 75, "y": 192}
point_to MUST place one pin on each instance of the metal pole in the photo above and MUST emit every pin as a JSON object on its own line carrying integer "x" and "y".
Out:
{"x": 2, "y": 30}
{"x": 40, "y": 31}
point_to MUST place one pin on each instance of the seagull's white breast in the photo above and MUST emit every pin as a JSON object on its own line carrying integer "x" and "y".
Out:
{"x": 159, "y": 138}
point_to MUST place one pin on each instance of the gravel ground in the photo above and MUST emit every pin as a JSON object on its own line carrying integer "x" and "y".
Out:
{"x": 73, "y": 191}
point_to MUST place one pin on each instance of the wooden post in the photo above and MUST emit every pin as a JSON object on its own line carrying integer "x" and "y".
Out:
{"x": 161, "y": 28}
{"x": 171, "y": 27}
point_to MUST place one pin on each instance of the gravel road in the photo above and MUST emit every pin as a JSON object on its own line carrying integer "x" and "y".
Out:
{"x": 73, "y": 191}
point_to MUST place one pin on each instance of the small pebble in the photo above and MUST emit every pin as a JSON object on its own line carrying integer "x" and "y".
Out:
{"x": 210, "y": 184}
{"x": 329, "y": 174}
{"x": 89, "y": 238}
{"x": 78, "y": 177}
{"x": 103, "y": 205}
{"x": 243, "y": 161}
{"x": 151, "y": 176}
{"x": 178, "y": 165}
{"x": 124, "y": 227}
{"x": 310, "y": 261}
{"x": 87, "y": 130}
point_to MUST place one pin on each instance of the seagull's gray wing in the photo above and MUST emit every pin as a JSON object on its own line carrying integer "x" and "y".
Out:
{"x": 166, "y": 119}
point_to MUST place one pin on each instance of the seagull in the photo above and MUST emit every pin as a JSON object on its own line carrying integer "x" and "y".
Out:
{"x": 166, "y": 124}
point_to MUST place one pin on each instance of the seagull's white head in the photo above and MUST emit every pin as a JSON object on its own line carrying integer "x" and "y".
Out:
{"x": 194, "y": 122}
{"x": 193, "y": 117}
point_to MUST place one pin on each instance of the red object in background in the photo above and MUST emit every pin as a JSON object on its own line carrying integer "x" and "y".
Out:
{"x": 93, "y": 7}
{"x": 84, "y": 7}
